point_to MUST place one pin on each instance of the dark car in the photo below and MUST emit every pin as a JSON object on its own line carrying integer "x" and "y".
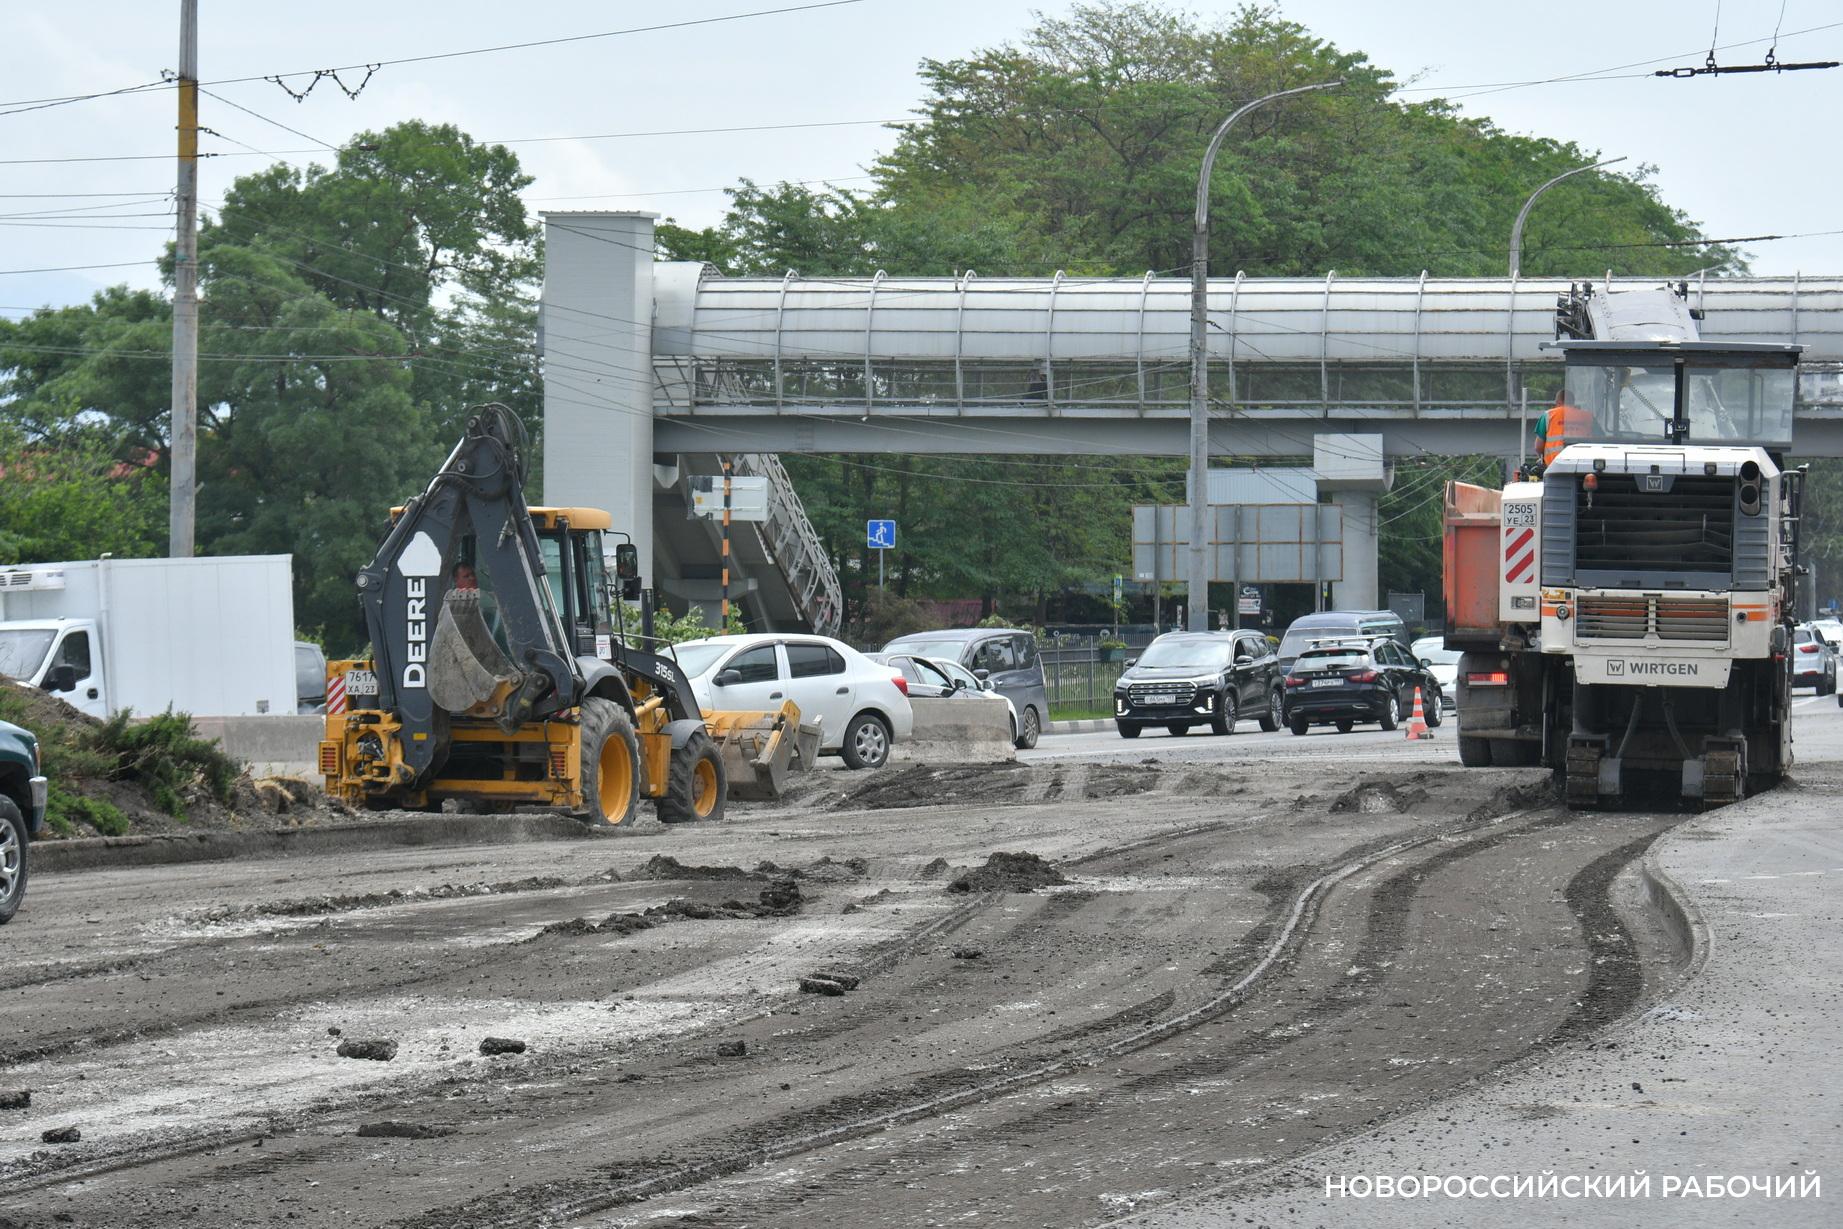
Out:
{"x": 1814, "y": 663}
{"x": 1327, "y": 625}
{"x": 1364, "y": 680}
{"x": 1006, "y": 657}
{"x": 1184, "y": 679}
{"x": 22, "y": 811}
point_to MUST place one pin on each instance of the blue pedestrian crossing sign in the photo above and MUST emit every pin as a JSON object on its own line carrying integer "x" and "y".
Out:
{"x": 880, "y": 535}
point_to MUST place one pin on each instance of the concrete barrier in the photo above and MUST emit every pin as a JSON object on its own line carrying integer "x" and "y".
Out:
{"x": 271, "y": 746}
{"x": 957, "y": 731}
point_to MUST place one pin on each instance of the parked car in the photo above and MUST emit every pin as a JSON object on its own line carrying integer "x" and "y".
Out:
{"x": 1431, "y": 651}
{"x": 1328, "y": 625}
{"x": 1005, "y": 656}
{"x": 22, "y": 812}
{"x": 1832, "y": 632}
{"x": 1360, "y": 680}
{"x": 1184, "y": 679}
{"x": 861, "y": 711}
{"x": 309, "y": 678}
{"x": 948, "y": 680}
{"x": 1814, "y": 662}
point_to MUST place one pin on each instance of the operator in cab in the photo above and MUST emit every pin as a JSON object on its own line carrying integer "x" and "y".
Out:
{"x": 1560, "y": 425}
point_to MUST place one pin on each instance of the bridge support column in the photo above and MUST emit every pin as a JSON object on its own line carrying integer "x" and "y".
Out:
{"x": 595, "y": 335}
{"x": 1358, "y": 590}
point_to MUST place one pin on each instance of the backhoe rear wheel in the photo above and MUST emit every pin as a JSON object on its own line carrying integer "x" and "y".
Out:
{"x": 696, "y": 785}
{"x": 610, "y": 765}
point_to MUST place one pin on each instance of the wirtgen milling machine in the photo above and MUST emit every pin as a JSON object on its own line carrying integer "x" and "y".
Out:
{"x": 496, "y": 678}
{"x": 1627, "y": 616}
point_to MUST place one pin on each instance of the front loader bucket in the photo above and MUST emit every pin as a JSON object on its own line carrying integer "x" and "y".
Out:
{"x": 468, "y": 672}
{"x": 758, "y": 749}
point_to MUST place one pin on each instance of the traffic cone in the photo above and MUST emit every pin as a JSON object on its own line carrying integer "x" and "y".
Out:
{"x": 1417, "y": 723}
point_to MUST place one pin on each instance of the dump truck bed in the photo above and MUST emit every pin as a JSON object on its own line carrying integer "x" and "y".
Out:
{"x": 1469, "y": 553}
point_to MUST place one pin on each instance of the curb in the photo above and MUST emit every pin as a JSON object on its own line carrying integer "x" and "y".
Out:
{"x": 117, "y": 852}
{"x": 1090, "y": 725}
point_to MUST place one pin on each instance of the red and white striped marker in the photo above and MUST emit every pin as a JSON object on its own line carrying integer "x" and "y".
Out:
{"x": 336, "y": 694}
{"x": 1520, "y": 556}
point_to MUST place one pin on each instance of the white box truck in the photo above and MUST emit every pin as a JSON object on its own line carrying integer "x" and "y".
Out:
{"x": 212, "y": 637}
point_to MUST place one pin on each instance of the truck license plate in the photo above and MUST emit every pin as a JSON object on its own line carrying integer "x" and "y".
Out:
{"x": 361, "y": 683}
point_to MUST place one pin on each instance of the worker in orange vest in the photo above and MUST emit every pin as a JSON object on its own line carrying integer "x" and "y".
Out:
{"x": 1560, "y": 425}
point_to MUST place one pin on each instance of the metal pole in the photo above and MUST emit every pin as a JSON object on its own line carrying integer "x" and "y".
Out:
{"x": 1198, "y": 558}
{"x": 725, "y": 622}
{"x": 1516, "y": 232}
{"x": 1523, "y": 431}
{"x": 183, "y": 510}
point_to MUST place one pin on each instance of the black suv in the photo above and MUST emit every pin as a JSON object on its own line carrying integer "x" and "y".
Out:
{"x": 1344, "y": 682}
{"x": 1199, "y": 678}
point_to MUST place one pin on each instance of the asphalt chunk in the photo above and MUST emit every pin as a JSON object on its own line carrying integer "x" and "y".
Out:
{"x": 732, "y": 1049}
{"x": 403, "y": 1130}
{"x": 376, "y": 1049}
{"x": 62, "y": 1135}
{"x": 821, "y": 985}
{"x": 16, "y": 1099}
{"x": 490, "y": 1046}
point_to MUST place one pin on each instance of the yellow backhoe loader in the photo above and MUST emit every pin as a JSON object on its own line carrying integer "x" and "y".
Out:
{"x": 497, "y": 678}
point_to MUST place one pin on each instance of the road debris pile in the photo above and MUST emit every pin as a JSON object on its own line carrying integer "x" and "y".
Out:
{"x": 1378, "y": 798}
{"x": 314, "y": 906}
{"x": 1008, "y": 872}
{"x": 116, "y": 777}
{"x": 780, "y": 898}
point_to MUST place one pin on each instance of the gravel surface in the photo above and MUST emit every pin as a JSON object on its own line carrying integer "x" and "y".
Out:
{"x": 1251, "y": 955}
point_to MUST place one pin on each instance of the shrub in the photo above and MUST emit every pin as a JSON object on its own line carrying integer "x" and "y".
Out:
{"x": 164, "y": 755}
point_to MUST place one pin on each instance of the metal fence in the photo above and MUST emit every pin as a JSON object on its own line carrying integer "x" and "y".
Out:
{"x": 1079, "y": 673}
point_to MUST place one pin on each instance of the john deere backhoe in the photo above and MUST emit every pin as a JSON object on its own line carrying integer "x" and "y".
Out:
{"x": 496, "y": 678}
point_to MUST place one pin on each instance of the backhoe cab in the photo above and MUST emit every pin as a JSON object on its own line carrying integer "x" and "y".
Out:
{"x": 497, "y": 678}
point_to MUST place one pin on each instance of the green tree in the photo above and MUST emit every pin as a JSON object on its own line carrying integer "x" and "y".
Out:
{"x": 1077, "y": 147}
{"x": 71, "y": 496}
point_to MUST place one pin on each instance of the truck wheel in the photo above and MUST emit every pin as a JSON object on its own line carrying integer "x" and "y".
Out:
{"x": 12, "y": 859}
{"x": 1475, "y": 752}
{"x": 1511, "y": 753}
{"x": 696, "y": 785}
{"x": 1026, "y": 738}
{"x": 1227, "y": 714}
{"x": 610, "y": 764}
{"x": 1128, "y": 729}
{"x": 867, "y": 742}
{"x": 1271, "y": 719}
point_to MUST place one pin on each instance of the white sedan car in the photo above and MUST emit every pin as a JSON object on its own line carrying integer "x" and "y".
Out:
{"x": 1443, "y": 664}
{"x": 861, "y": 710}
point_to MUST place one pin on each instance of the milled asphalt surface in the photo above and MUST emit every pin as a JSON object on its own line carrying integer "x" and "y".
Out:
{"x": 180, "y": 1015}
{"x": 1734, "y": 1072}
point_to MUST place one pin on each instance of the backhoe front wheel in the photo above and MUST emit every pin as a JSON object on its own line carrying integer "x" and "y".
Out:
{"x": 610, "y": 765}
{"x": 696, "y": 785}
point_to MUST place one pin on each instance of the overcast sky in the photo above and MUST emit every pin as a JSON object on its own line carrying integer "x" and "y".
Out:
{"x": 1742, "y": 155}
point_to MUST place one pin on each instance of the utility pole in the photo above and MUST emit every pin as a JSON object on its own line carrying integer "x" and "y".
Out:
{"x": 1516, "y": 232}
{"x": 184, "y": 510}
{"x": 723, "y": 624}
{"x": 1198, "y": 551}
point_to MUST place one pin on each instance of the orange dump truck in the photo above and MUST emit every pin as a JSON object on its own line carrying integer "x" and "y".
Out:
{"x": 1490, "y": 578}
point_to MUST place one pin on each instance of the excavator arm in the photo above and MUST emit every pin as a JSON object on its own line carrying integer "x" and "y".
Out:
{"x": 433, "y": 650}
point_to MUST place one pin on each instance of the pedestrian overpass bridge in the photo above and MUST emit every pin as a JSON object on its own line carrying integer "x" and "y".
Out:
{"x": 654, "y": 370}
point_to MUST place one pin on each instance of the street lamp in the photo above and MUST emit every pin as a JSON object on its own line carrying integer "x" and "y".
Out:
{"x": 1198, "y": 558}
{"x": 1516, "y": 232}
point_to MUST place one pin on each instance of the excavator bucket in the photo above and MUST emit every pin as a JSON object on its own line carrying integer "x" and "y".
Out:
{"x": 759, "y": 747}
{"x": 468, "y": 672}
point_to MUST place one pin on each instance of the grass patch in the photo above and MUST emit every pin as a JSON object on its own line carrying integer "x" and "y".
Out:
{"x": 64, "y": 810}
{"x": 161, "y": 760}
{"x": 1079, "y": 712}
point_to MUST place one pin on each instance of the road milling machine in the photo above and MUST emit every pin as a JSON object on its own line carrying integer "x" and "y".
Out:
{"x": 497, "y": 679}
{"x": 1625, "y": 615}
